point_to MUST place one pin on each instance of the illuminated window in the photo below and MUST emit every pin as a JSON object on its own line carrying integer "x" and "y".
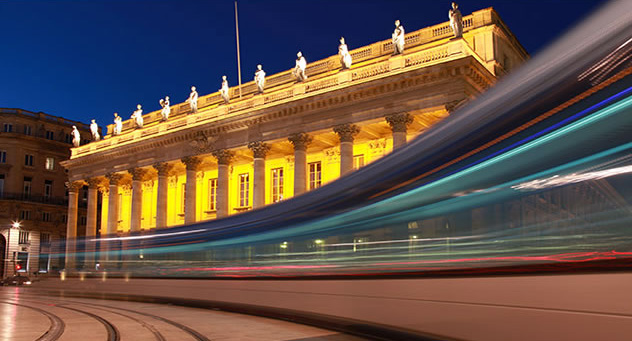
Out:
{"x": 358, "y": 161}
{"x": 120, "y": 210}
{"x": 183, "y": 193}
{"x": 28, "y": 160}
{"x": 212, "y": 194}
{"x": 314, "y": 175}
{"x": 277, "y": 184}
{"x": 8, "y": 127}
{"x": 244, "y": 187}
{"x": 50, "y": 163}
{"x": 3, "y": 156}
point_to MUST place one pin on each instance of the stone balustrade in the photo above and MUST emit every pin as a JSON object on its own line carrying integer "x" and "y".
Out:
{"x": 413, "y": 59}
{"x": 360, "y": 55}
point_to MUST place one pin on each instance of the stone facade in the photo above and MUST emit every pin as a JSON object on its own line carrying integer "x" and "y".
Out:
{"x": 33, "y": 189}
{"x": 295, "y": 137}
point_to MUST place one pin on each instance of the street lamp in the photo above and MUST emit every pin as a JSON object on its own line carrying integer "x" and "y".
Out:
{"x": 14, "y": 225}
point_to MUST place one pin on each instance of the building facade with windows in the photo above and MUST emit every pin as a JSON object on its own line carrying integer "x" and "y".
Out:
{"x": 33, "y": 193}
{"x": 294, "y": 137}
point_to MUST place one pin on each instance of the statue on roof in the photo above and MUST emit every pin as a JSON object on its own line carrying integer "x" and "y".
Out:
{"x": 345, "y": 56}
{"x": 118, "y": 124}
{"x": 299, "y": 69}
{"x": 137, "y": 116}
{"x": 94, "y": 129}
{"x": 456, "y": 20}
{"x": 260, "y": 79}
{"x": 398, "y": 38}
{"x": 193, "y": 100}
{"x": 223, "y": 91}
{"x": 166, "y": 108}
{"x": 76, "y": 137}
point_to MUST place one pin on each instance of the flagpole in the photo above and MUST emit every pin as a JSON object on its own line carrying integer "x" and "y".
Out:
{"x": 238, "y": 57}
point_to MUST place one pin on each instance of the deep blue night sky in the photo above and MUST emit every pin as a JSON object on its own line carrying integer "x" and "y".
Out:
{"x": 88, "y": 59}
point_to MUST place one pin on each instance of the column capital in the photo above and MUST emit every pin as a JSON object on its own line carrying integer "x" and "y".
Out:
{"x": 223, "y": 156}
{"x": 346, "y": 132}
{"x": 259, "y": 149}
{"x": 114, "y": 178}
{"x": 138, "y": 174}
{"x": 93, "y": 183}
{"x": 300, "y": 140}
{"x": 73, "y": 186}
{"x": 163, "y": 168}
{"x": 400, "y": 121}
{"x": 192, "y": 162}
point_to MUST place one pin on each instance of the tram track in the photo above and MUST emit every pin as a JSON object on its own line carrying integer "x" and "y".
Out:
{"x": 113, "y": 333}
{"x": 57, "y": 325}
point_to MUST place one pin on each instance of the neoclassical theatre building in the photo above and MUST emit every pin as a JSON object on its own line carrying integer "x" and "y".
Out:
{"x": 296, "y": 136}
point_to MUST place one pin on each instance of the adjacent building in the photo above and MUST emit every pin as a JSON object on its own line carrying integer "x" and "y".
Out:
{"x": 260, "y": 148}
{"x": 33, "y": 193}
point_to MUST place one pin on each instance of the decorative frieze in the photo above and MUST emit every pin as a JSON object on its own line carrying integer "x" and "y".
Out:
{"x": 399, "y": 122}
{"x": 332, "y": 155}
{"x": 126, "y": 188}
{"x": 173, "y": 181}
{"x": 259, "y": 149}
{"x": 300, "y": 141}
{"x": 148, "y": 185}
{"x": 223, "y": 156}
{"x": 346, "y": 132}
{"x": 163, "y": 168}
{"x": 191, "y": 162}
{"x": 203, "y": 144}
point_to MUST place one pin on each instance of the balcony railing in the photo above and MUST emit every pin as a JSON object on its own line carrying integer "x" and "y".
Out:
{"x": 40, "y": 199}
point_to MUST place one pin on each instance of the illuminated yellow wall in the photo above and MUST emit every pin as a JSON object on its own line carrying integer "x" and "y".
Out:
{"x": 330, "y": 171}
{"x": 150, "y": 195}
{"x": 288, "y": 177}
{"x": 233, "y": 196}
{"x": 203, "y": 205}
{"x": 175, "y": 212}
{"x": 125, "y": 210}
{"x": 104, "y": 212}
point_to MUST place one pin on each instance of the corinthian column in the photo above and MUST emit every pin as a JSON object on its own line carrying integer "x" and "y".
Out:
{"x": 190, "y": 188}
{"x": 259, "y": 150}
{"x": 71, "y": 225}
{"x": 113, "y": 202}
{"x": 91, "y": 220}
{"x": 346, "y": 133}
{"x": 399, "y": 123}
{"x": 224, "y": 157}
{"x": 163, "y": 169}
{"x": 137, "y": 198}
{"x": 300, "y": 142}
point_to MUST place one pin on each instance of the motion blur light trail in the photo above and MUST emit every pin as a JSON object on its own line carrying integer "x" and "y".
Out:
{"x": 535, "y": 174}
